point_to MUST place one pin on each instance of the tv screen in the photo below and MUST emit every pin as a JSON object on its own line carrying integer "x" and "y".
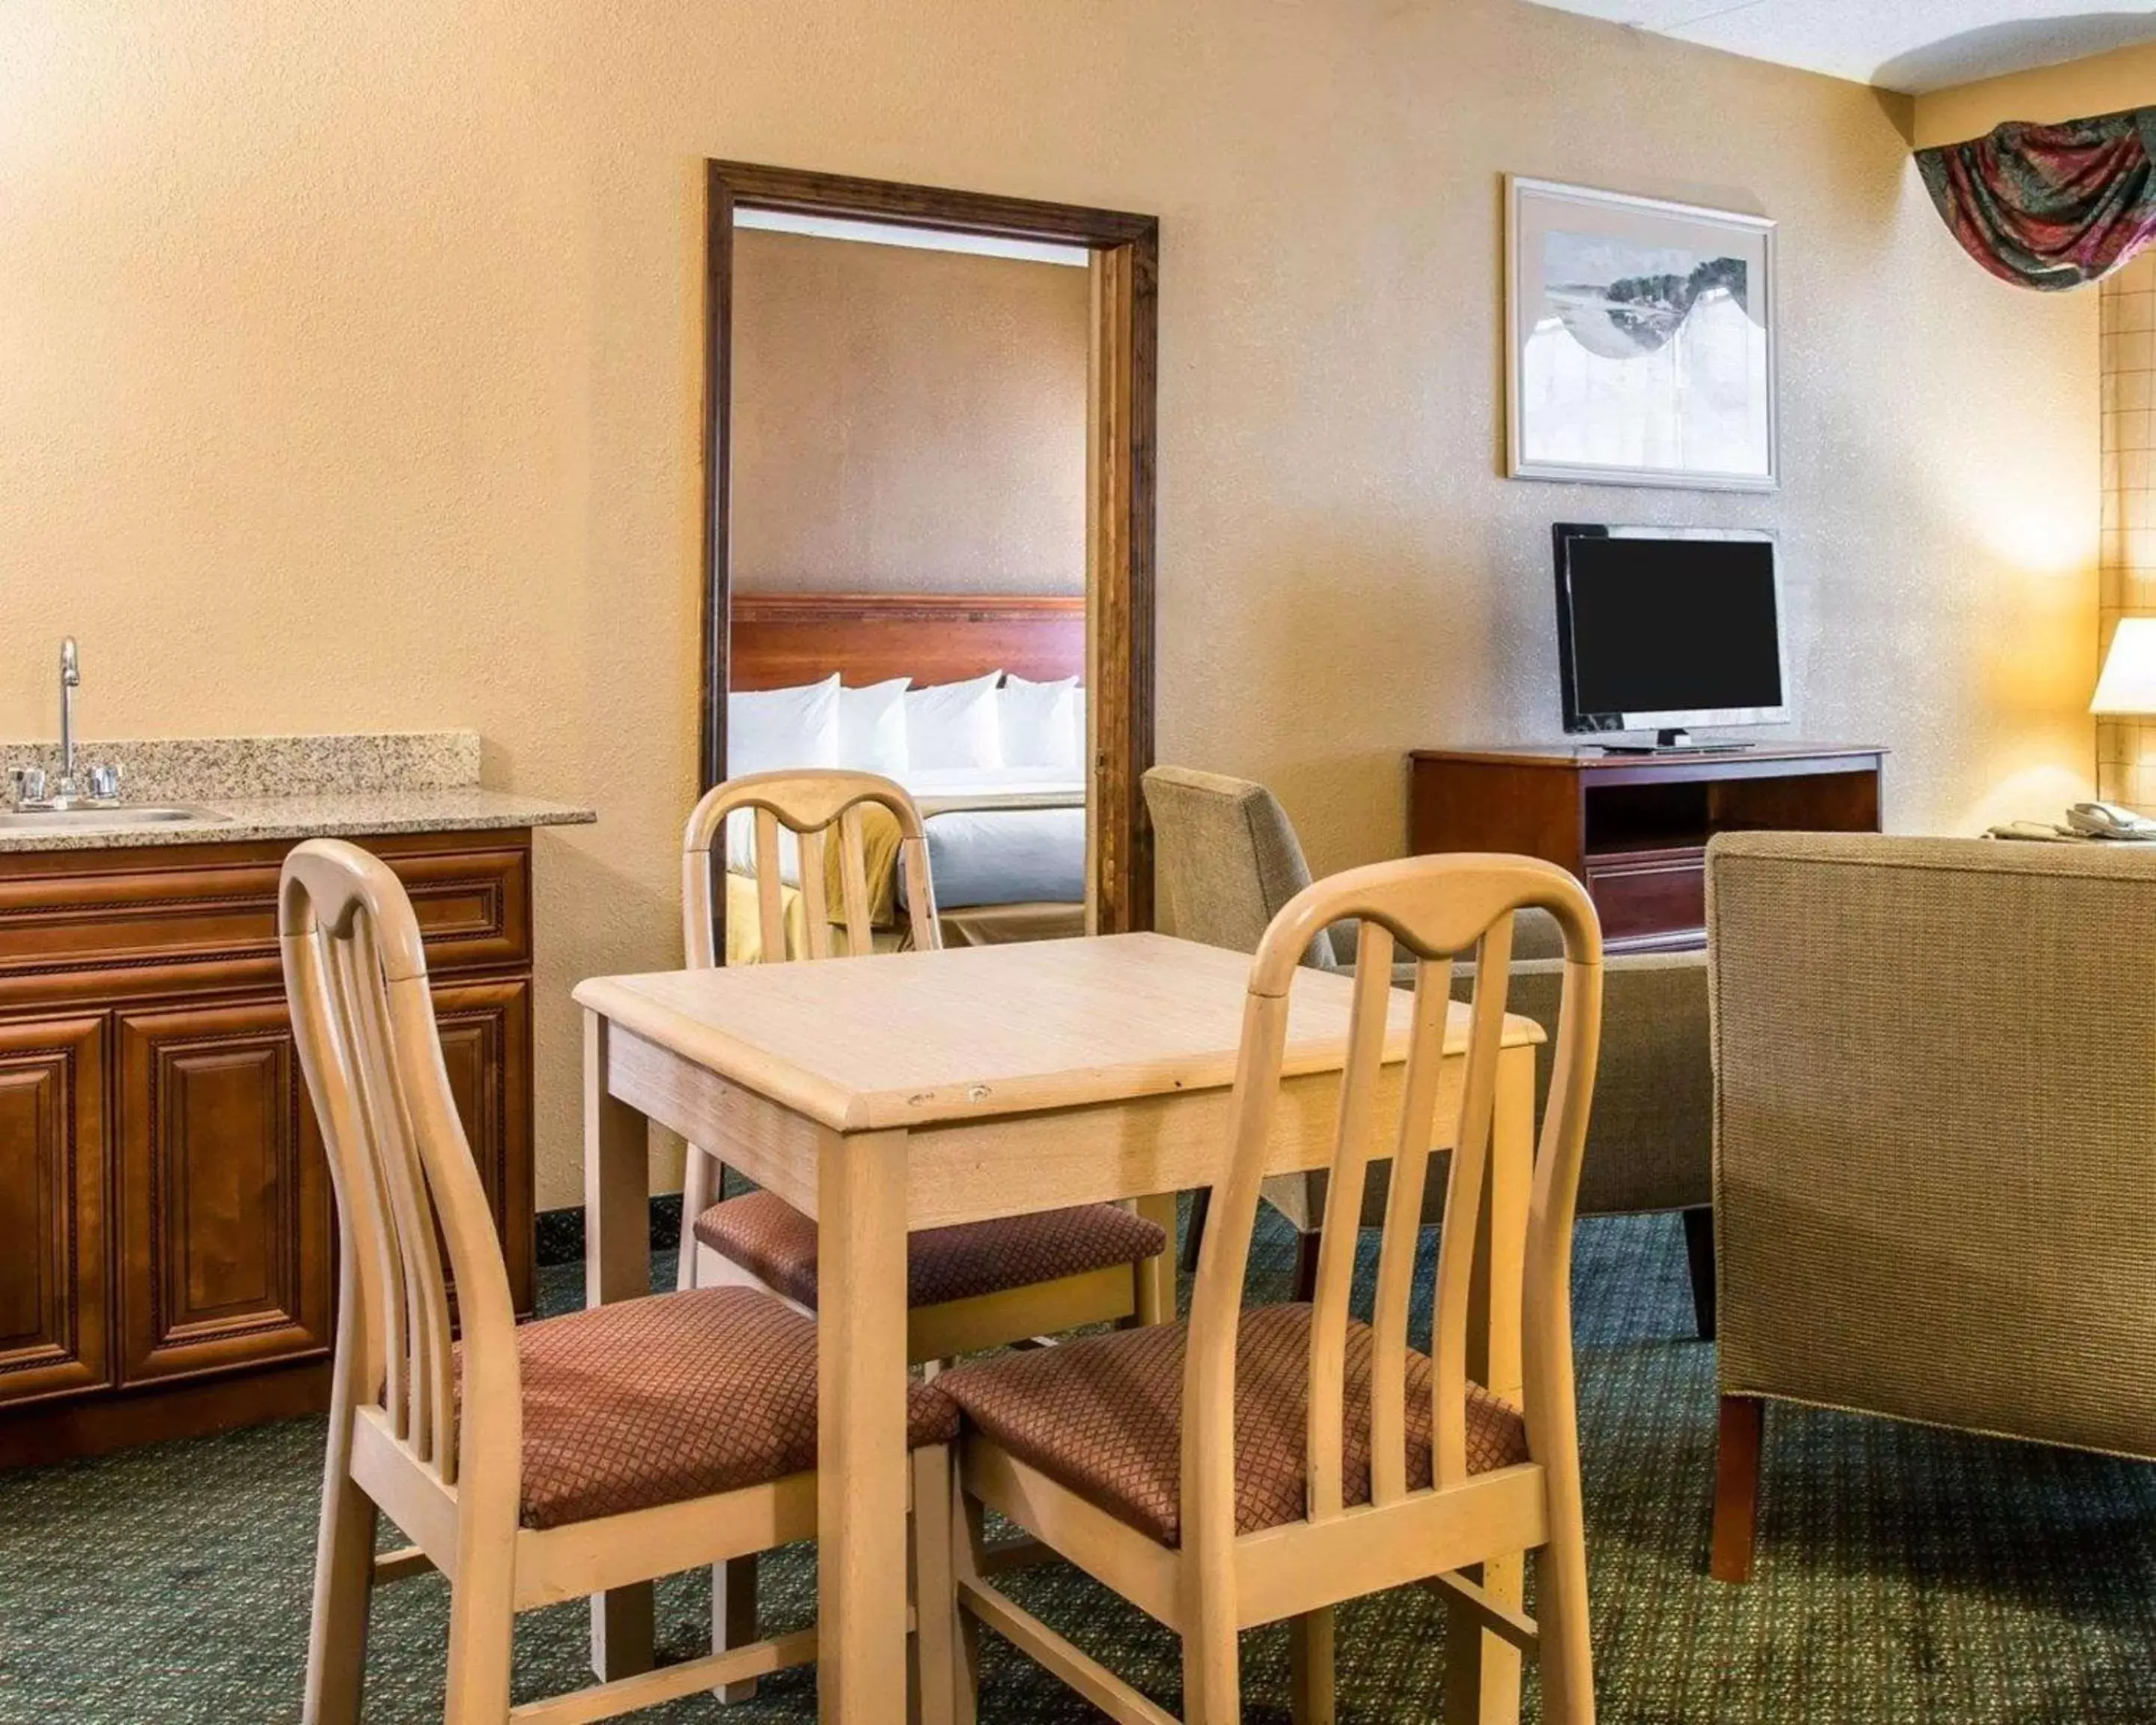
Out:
{"x": 1659, "y": 627}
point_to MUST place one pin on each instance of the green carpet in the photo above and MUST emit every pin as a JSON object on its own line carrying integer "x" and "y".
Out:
{"x": 1904, "y": 1574}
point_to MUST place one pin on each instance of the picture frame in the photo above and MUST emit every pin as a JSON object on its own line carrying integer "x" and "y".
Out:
{"x": 1641, "y": 341}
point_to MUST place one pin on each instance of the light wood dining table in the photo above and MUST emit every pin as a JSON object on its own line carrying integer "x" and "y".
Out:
{"x": 917, "y": 1090}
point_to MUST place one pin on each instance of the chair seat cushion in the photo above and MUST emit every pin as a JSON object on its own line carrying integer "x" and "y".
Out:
{"x": 1103, "y": 1417}
{"x": 777, "y": 1244}
{"x": 646, "y": 1402}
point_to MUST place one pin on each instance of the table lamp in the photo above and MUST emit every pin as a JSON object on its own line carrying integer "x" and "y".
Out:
{"x": 2127, "y": 686}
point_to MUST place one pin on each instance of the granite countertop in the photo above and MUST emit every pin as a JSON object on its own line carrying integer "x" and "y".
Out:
{"x": 423, "y": 782}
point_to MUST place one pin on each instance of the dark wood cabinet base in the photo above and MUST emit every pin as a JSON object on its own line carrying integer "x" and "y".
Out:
{"x": 66, "y": 1430}
{"x": 1635, "y": 827}
{"x": 168, "y": 1239}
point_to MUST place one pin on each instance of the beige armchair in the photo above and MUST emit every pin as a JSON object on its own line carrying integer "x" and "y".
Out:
{"x": 1229, "y": 860}
{"x": 1934, "y": 1151}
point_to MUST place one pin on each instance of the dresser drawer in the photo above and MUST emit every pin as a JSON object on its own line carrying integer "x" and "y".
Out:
{"x": 1649, "y": 894}
{"x": 157, "y": 919}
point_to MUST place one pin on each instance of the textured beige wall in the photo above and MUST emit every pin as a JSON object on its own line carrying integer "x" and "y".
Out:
{"x": 351, "y": 363}
{"x": 2101, "y": 84}
{"x": 907, "y": 421}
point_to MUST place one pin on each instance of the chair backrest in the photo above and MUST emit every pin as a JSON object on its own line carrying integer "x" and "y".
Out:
{"x": 1435, "y": 907}
{"x": 808, "y": 802}
{"x": 406, "y": 1185}
{"x": 1229, "y": 858}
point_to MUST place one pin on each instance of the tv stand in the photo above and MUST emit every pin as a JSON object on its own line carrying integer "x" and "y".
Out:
{"x": 1634, "y": 826}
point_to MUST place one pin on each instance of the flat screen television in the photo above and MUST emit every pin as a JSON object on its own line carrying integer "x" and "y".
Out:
{"x": 1664, "y": 629}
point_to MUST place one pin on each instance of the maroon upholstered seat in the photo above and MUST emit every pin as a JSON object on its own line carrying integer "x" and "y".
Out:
{"x": 1103, "y": 1417}
{"x": 653, "y": 1401}
{"x": 776, "y": 1243}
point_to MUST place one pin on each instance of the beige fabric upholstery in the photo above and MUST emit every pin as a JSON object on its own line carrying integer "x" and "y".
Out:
{"x": 776, "y": 1243}
{"x": 1229, "y": 860}
{"x": 645, "y": 1402}
{"x": 1104, "y": 1417}
{"x": 1935, "y": 1084}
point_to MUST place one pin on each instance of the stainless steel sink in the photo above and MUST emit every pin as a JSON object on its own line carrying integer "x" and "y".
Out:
{"x": 125, "y": 814}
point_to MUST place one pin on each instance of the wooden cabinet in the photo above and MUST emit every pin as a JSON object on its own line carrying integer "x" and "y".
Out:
{"x": 224, "y": 1193}
{"x": 1634, "y": 826}
{"x": 54, "y": 1318}
{"x": 159, "y": 1155}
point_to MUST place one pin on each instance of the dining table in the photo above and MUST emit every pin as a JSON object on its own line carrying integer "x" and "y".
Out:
{"x": 884, "y": 1094}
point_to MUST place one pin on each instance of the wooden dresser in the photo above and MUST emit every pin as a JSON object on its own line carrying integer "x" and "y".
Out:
{"x": 1635, "y": 827}
{"x": 167, "y": 1249}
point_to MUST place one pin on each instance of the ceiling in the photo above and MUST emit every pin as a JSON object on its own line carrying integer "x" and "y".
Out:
{"x": 1909, "y": 45}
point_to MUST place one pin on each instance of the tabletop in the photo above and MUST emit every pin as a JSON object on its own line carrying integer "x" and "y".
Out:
{"x": 918, "y": 1039}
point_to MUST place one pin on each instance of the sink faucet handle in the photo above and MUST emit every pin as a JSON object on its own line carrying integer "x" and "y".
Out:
{"x": 104, "y": 784}
{"x": 29, "y": 783}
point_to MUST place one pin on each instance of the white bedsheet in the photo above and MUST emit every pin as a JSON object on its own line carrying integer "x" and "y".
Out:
{"x": 1005, "y": 856}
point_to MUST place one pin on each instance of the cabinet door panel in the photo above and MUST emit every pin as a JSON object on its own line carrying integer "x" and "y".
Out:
{"x": 224, "y": 1196}
{"x": 54, "y": 1321}
{"x": 486, "y": 1029}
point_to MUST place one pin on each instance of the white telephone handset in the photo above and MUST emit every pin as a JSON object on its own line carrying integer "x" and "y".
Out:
{"x": 2107, "y": 820}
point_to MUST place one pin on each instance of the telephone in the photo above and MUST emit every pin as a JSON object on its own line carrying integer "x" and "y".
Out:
{"x": 2107, "y": 820}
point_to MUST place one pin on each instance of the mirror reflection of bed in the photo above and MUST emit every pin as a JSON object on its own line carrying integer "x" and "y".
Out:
{"x": 976, "y": 704}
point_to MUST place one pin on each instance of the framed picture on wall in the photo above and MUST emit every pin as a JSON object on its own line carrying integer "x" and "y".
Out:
{"x": 1639, "y": 341}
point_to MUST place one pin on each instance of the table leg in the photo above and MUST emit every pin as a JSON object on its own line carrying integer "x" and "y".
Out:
{"x": 1156, "y": 1300}
{"x": 1482, "y": 1671}
{"x": 617, "y": 1266}
{"x": 860, "y": 1449}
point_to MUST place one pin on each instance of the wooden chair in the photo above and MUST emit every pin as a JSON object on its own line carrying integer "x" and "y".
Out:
{"x": 1261, "y": 1465}
{"x": 982, "y": 1284}
{"x": 530, "y": 1465}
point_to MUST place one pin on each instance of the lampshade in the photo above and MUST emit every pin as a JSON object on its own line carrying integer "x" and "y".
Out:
{"x": 2128, "y": 683}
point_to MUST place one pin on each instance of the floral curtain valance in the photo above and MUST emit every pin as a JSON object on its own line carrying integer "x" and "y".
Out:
{"x": 2051, "y": 207}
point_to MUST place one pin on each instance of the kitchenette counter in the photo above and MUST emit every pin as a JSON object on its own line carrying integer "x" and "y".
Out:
{"x": 172, "y": 1261}
{"x": 245, "y": 789}
{"x": 454, "y": 809}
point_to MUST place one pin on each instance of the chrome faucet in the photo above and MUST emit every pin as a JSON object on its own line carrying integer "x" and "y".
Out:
{"x": 70, "y": 680}
{"x": 31, "y": 790}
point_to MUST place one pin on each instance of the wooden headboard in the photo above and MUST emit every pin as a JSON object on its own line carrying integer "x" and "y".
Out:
{"x": 782, "y": 639}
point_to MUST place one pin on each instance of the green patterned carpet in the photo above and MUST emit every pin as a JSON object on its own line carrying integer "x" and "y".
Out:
{"x": 1904, "y": 1575}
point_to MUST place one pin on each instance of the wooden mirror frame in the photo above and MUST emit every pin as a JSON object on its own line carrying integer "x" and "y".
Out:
{"x": 1120, "y": 457}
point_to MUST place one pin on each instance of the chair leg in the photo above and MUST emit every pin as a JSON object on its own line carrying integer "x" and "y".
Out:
{"x": 344, "y": 1581}
{"x": 1737, "y": 1486}
{"x": 1212, "y": 1669}
{"x": 1193, "y": 1233}
{"x": 934, "y": 1633}
{"x": 1309, "y": 1668}
{"x": 482, "y": 1623}
{"x": 1566, "y": 1651}
{"x": 733, "y": 1618}
{"x": 967, "y": 1540}
{"x": 695, "y": 1199}
{"x": 1699, "y": 1259}
{"x": 1305, "y": 1266}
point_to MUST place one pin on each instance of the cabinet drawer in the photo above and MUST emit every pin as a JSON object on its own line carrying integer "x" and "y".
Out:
{"x": 85, "y": 925}
{"x": 1643, "y": 893}
{"x": 52, "y": 1319}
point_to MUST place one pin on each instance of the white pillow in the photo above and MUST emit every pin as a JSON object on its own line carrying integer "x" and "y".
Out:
{"x": 872, "y": 728}
{"x": 1037, "y": 722}
{"x": 1081, "y": 746}
{"x": 953, "y": 725}
{"x": 768, "y": 729}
